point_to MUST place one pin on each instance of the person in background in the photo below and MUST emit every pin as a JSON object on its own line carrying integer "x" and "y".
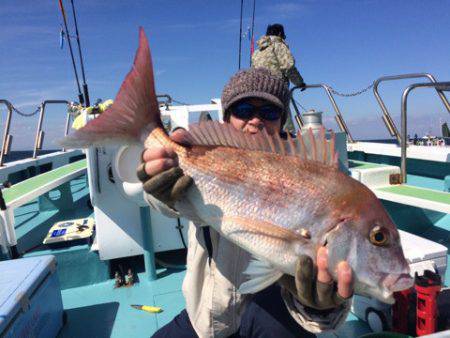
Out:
{"x": 253, "y": 100}
{"x": 273, "y": 54}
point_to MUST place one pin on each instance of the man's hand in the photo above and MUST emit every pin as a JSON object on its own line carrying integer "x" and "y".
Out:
{"x": 314, "y": 286}
{"x": 303, "y": 87}
{"x": 160, "y": 173}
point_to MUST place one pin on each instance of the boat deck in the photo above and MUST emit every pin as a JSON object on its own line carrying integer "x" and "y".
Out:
{"x": 419, "y": 191}
{"x": 100, "y": 310}
{"x": 94, "y": 308}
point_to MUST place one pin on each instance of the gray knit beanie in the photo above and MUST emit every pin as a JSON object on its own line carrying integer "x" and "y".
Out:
{"x": 258, "y": 83}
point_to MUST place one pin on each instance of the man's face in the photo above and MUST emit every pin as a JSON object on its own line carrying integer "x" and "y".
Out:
{"x": 255, "y": 124}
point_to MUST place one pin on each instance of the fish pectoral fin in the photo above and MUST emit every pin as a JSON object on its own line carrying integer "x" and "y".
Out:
{"x": 264, "y": 228}
{"x": 261, "y": 275}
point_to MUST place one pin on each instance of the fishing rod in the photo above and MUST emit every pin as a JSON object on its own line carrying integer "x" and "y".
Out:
{"x": 80, "y": 96}
{"x": 85, "y": 87}
{"x": 252, "y": 41}
{"x": 240, "y": 34}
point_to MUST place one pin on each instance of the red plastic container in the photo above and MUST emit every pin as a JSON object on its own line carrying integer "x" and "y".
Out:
{"x": 427, "y": 287}
{"x": 400, "y": 311}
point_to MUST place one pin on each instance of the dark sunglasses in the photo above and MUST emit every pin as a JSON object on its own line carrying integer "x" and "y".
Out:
{"x": 246, "y": 111}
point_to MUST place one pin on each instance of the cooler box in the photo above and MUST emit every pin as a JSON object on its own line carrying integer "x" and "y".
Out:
{"x": 30, "y": 298}
{"x": 423, "y": 254}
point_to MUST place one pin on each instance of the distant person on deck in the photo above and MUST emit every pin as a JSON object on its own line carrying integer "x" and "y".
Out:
{"x": 273, "y": 54}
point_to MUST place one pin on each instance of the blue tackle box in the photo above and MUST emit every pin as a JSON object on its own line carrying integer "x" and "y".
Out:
{"x": 30, "y": 298}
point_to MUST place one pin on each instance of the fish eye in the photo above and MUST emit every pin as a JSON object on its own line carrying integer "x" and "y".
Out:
{"x": 378, "y": 236}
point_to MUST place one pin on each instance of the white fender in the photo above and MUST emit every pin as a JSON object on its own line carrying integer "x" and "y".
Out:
{"x": 125, "y": 162}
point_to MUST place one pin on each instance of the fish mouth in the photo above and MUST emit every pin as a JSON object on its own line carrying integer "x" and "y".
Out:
{"x": 397, "y": 282}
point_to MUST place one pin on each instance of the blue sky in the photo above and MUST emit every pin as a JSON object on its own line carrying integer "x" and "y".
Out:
{"x": 345, "y": 44}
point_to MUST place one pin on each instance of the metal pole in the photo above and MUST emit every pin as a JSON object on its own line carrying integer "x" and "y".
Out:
{"x": 386, "y": 116}
{"x": 85, "y": 87}
{"x": 41, "y": 118}
{"x": 298, "y": 117}
{"x": 66, "y": 130}
{"x": 339, "y": 117}
{"x": 240, "y": 34}
{"x": 440, "y": 86}
{"x": 339, "y": 114}
{"x": 38, "y": 131}
{"x": 404, "y": 140}
{"x": 149, "y": 252}
{"x": 6, "y": 132}
{"x": 80, "y": 96}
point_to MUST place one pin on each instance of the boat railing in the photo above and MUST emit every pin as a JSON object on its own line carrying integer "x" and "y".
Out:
{"x": 387, "y": 119}
{"x": 339, "y": 118}
{"x": 440, "y": 88}
{"x": 39, "y": 138}
{"x": 7, "y": 137}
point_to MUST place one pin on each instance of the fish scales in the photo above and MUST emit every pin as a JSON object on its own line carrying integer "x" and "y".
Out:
{"x": 263, "y": 200}
{"x": 249, "y": 176}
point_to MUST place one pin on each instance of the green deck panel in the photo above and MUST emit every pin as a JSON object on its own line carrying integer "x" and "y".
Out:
{"x": 354, "y": 164}
{"x": 20, "y": 189}
{"x": 424, "y": 194}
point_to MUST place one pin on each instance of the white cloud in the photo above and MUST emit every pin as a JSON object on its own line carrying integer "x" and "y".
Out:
{"x": 284, "y": 10}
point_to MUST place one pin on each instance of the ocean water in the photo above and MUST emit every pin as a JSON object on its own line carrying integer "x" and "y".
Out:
{"x": 16, "y": 155}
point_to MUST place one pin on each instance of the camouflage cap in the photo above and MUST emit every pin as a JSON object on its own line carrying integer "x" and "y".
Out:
{"x": 255, "y": 83}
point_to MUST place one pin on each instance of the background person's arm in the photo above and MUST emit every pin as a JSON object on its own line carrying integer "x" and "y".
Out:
{"x": 287, "y": 64}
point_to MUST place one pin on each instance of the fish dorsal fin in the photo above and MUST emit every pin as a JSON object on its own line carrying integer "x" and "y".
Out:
{"x": 261, "y": 275}
{"x": 312, "y": 145}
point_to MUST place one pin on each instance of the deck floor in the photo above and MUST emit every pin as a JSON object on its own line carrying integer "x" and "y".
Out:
{"x": 100, "y": 310}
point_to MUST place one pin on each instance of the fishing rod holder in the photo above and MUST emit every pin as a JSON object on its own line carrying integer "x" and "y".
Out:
{"x": 39, "y": 138}
{"x": 440, "y": 87}
{"x": 339, "y": 118}
{"x": 387, "y": 119}
{"x": 7, "y": 137}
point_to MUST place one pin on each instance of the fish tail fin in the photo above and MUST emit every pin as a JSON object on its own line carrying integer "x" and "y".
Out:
{"x": 134, "y": 112}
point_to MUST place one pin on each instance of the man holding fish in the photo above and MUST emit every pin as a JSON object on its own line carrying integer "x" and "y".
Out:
{"x": 264, "y": 207}
{"x": 252, "y": 101}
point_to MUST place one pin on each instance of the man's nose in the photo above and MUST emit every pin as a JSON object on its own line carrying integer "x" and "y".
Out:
{"x": 256, "y": 121}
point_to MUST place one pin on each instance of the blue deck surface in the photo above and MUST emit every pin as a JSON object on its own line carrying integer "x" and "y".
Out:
{"x": 425, "y": 182}
{"x": 102, "y": 311}
{"x": 96, "y": 309}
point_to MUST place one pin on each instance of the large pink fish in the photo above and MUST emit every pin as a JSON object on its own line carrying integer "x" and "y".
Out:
{"x": 276, "y": 199}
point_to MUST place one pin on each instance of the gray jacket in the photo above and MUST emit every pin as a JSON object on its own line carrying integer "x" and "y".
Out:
{"x": 273, "y": 54}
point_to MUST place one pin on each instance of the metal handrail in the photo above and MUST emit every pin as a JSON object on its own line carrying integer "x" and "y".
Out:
{"x": 7, "y": 138}
{"x": 440, "y": 87}
{"x": 387, "y": 119}
{"x": 39, "y": 132}
{"x": 339, "y": 118}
